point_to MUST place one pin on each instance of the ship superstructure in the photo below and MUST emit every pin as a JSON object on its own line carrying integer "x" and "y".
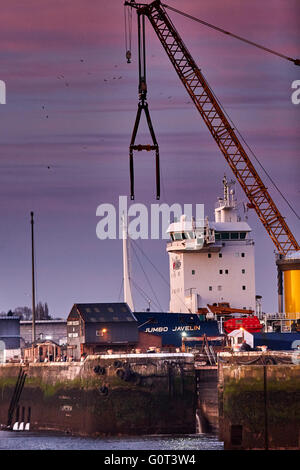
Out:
{"x": 212, "y": 262}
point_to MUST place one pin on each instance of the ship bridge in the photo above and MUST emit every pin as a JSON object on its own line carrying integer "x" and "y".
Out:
{"x": 212, "y": 262}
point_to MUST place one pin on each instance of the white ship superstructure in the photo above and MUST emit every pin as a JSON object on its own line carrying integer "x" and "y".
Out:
{"x": 212, "y": 262}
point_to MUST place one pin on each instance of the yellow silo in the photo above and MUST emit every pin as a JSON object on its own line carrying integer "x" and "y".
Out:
{"x": 290, "y": 266}
{"x": 292, "y": 293}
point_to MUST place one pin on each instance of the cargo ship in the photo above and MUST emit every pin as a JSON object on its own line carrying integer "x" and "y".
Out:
{"x": 212, "y": 285}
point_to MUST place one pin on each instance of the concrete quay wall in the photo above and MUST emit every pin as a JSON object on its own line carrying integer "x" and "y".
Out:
{"x": 259, "y": 405}
{"x": 105, "y": 395}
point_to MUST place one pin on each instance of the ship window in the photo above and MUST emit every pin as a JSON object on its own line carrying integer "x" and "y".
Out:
{"x": 243, "y": 255}
{"x": 220, "y": 255}
{"x": 191, "y": 235}
{"x": 217, "y": 236}
{"x": 244, "y": 287}
{"x": 234, "y": 236}
{"x": 243, "y": 271}
{"x": 193, "y": 271}
{"x": 225, "y": 235}
{"x": 242, "y": 235}
{"x": 184, "y": 236}
{"x": 172, "y": 236}
{"x": 209, "y": 255}
{"x": 226, "y": 271}
{"x": 210, "y": 288}
{"x": 221, "y": 271}
{"x": 177, "y": 236}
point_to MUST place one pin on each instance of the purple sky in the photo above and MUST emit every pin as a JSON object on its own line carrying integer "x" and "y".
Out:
{"x": 66, "y": 60}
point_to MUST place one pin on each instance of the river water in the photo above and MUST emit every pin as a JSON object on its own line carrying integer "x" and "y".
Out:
{"x": 10, "y": 440}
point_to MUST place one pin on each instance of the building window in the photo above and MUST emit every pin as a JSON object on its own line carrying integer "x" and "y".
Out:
{"x": 226, "y": 271}
{"x": 221, "y": 271}
{"x": 210, "y": 288}
{"x": 244, "y": 287}
{"x": 193, "y": 271}
{"x": 220, "y": 255}
{"x": 73, "y": 335}
{"x": 243, "y": 271}
{"x": 101, "y": 332}
{"x": 243, "y": 255}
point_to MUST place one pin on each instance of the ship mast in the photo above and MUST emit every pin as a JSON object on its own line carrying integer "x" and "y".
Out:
{"x": 126, "y": 273}
{"x": 33, "y": 278}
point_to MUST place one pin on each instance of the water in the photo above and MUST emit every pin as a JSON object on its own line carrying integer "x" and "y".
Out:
{"x": 10, "y": 440}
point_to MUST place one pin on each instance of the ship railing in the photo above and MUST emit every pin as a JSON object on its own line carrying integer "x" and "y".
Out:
{"x": 281, "y": 325}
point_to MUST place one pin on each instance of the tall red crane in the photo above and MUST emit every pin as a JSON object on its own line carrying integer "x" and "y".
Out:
{"x": 215, "y": 119}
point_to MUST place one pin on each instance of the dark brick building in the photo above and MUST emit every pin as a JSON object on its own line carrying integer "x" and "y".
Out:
{"x": 97, "y": 327}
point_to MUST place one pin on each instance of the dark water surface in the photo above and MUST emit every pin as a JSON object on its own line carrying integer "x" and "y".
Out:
{"x": 48, "y": 441}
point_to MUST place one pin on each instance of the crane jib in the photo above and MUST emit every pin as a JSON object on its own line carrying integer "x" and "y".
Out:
{"x": 219, "y": 126}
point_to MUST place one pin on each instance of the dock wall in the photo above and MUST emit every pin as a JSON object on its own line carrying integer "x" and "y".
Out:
{"x": 259, "y": 406}
{"x": 105, "y": 395}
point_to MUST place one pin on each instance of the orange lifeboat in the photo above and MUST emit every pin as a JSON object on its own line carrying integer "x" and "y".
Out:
{"x": 250, "y": 324}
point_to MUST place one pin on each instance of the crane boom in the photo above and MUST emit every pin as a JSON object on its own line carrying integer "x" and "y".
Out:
{"x": 219, "y": 126}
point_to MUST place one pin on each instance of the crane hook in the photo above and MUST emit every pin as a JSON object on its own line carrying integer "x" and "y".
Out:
{"x": 128, "y": 57}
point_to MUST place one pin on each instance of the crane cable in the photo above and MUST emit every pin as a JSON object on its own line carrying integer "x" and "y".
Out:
{"x": 296, "y": 62}
{"x": 128, "y": 32}
{"x": 149, "y": 283}
{"x": 283, "y": 56}
{"x": 161, "y": 275}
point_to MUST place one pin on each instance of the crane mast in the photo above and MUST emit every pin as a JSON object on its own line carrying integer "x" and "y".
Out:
{"x": 219, "y": 126}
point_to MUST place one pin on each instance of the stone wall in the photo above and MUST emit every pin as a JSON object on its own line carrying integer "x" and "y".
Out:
{"x": 259, "y": 406}
{"x": 106, "y": 395}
